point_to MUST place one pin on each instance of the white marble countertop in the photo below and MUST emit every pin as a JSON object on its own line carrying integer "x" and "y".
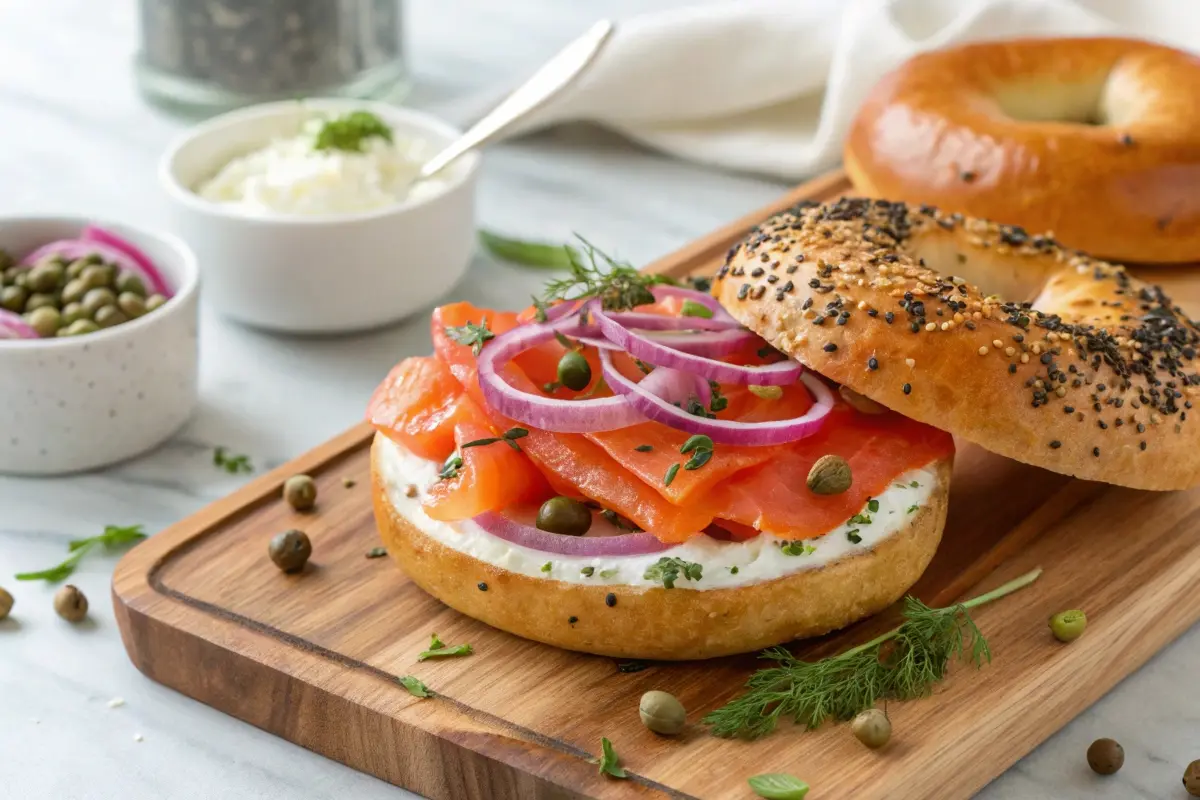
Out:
{"x": 74, "y": 136}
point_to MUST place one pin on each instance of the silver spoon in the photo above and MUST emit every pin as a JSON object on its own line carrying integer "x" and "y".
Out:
{"x": 554, "y": 76}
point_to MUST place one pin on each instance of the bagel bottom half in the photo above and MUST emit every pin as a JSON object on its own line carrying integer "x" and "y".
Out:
{"x": 668, "y": 624}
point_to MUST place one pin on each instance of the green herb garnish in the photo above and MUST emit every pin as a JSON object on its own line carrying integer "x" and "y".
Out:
{"x": 608, "y": 760}
{"x": 587, "y": 572}
{"x": 471, "y": 335}
{"x": 607, "y": 573}
{"x": 917, "y": 656}
{"x": 853, "y": 536}
{"x": 644, "y": 448}
{"x": 233, "y": 464}
{"x": 414, "y": 686}
{"x": 527, "y": 253}
{"x": 913, "y": 508}
{"x": 797, "y": 547}
{"x": 672, "y": 471}
{"x": 377, "y": 552}
{"x": 859, "y": 519}
{"x": 668, "y": 569}
{"x": 594, "y": 274}
{"x": 915, "y": 485}
{"x": 700, "y": 283}
{"x": 547, "y": 566}
{"x": 719, "y": 401}
{"x": 619, "y": 521}
{"x": 113, "y": 537}
{"x": 509, "y": 437}
{"x": 539, "y": 309}
{"x": 697, "y": 442}
{"x": 873, "y": 506}
{"x": 437, "y": 649}
{"x": 778, "y": 786}
{"x": 451, "y": 467}
{"x": 693, "y": 309}
{"x": 631, "y": 666}
{"x": 733, "y": 570}
{"x": 348, "y": 132}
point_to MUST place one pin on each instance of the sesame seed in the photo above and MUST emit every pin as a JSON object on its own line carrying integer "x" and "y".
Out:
{"x": 931, "y": 326}
{"x": 1010, "y": 351}
{"x": 996, "y": 343}
{"x": 1024, "y": 358}
{"x": 983, "y": 351}
{"x": 910, "y": 362}
{"x": 1061, "y": 391}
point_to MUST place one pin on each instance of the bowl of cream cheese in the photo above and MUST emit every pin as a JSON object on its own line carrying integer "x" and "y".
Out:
{"x": 306, "y": 216}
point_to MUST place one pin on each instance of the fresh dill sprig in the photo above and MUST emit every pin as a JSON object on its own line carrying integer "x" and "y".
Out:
{"x": 471, "y": 335}
{"x": 901, "y": 664}
{"x": 114, "y": 536}
{"x": 595, "y": 274}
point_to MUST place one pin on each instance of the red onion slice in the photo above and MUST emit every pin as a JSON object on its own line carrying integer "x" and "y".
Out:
{"x": 545, "y": 413}
{"x": 719, "y": 430}
{"x": 77, "y": 248}
{"x": 707, "y": 300}
{"x": 676, "y": 387}
{"x": 94, "y": 233}
{"x": 778, "y": 374}
{"x": 706, "y": 343}
{"x": 13, "y": 326}
{"x": 625, "y": 544}
{"x": 661, "y": 322}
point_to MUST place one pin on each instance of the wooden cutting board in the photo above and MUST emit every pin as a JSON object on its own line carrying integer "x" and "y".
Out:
{"x": 313, "y": 657}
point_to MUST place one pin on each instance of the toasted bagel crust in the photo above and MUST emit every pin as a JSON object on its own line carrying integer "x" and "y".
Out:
{"x": 1094, "y": 378}
{"x": 668, "y": 624}
{"x": 1097, "y": 140}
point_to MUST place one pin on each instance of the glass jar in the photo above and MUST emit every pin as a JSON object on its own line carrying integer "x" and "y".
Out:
{"x": 212, "y": 55}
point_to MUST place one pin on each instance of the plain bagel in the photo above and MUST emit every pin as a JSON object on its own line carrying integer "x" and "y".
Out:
{"x": 658, "y": 623}
{"x": 1097, "y": 140}
{"x": 1094, "y": 378}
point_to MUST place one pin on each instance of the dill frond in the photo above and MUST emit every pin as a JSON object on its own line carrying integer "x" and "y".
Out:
{"x": 593, "y": 273}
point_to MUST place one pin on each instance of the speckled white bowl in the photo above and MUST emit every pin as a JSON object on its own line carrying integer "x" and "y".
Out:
{"x": 82, "y": 402}
{"x": 326, "y": 273}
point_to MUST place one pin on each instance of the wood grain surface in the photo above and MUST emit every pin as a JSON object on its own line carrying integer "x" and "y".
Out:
{"x": 313, "y": 657}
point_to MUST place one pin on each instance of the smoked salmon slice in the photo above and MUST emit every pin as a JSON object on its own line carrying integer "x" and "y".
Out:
{"x": 490, "y": 477}
{"x": 418, "y": 404}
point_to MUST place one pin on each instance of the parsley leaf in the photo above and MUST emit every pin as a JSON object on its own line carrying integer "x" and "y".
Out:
{"x": 608, "y": 760}
{"x": 377, "y": 552}
{"x": 471, "y": 335}
{"x": 233, "y": 464}
{"x": 853, "y": 536}
{"x": 451, "y": 467}
{"x": 913, "y": 508}
{"x": 113, "y": 537}
{"x": 437, "y": 649}
{"x": 414, "y": 686}
{"x": 873, "y": 506}
{"x": 797, "y": 548}
{"x": 668, "y": 570}
{"x": 778, "y": 786}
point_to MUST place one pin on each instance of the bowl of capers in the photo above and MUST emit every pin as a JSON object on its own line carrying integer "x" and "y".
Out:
{"x": 98, "y": 342}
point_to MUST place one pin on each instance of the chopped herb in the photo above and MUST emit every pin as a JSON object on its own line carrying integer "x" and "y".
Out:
{"x": 853, "y": 536}
{"x": 479, "y": 442}
{"x": 766, "y": 351}
{"x": 471, "y": 335}
{"x": 695, "y": 408}
{"x": 913, "y": 508}
{"x": 451, "y": 467}
{"x": 672, "y": 471}
{"x": 607, "y": 573}
{"x": 698, "y": 459}
{"x": 539, "y": 309}
{"x": 233, "y": 464}
{"x": 916, "y": 657}
{"x": 608, "y": 760}
{"x": 693, "y": 309}
{"x": 778, "y": 786}
{"x": 552, "y": 387}
{"x": 873, "y": 506}
{"x": 572, "y": 620}
{"x": 700, "y": 283}
{"x": 631, "y": 666}
{"x": 377, "y": 552}
{"x": 797, "y": 547}
{"x": 914, "y": 484}
{"x": 698, "y": 442}
{"x": 719, "y": 401}
{"x": 113, "y": 537}
{"x": 619, "y": 521}
{"x": 619, "y": 287}
{"x": 414, "y": 686}
{"x": 668, "y": 569}
{"x": 437, "y": 649}
{"x": 644, "y": 448}
{"x": 587, "y": 572}
{"x": 527, "y": 253}
{"x": 643, "y": 366}
{"x": 348, "y": 132}
{"x": 733, "y": 570}
{"x": 859, "y": 519}
{"x": 348, "y": 483}
{"x": 547, "y": 567}
{"x": 566, "y": 343}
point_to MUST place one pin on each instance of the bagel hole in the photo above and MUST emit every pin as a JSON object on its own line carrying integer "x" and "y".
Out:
{"x": 983, "y": 269}
{"x": 1049, "y": 101}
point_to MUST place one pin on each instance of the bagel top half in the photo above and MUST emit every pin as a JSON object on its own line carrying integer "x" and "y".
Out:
{"x": 930, "y": 314}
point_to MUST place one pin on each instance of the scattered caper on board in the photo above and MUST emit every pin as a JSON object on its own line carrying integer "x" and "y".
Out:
{"x": 1105, "y": 756}
{"x": 574, "y": 371}
{"x": 6, "y": 603}
{"x": 70, "y": 603}
{"x": 300, "y": 492}
{"x": 290, "y": 550}
{"x": 1191, "y": 778}
{"x": 872, "y": 727}
{"x": 662, "y": 712}
{"x": 564, "y": 515}
{"x": 1067, "y": 626}
{"x": 829, "y": 475}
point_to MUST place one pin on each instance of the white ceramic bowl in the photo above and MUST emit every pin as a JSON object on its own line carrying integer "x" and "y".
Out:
{"x": 82, "y": 402}
{"x": 328, "y": 273}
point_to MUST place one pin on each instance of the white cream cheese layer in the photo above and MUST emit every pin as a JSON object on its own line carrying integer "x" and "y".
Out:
{"x": 756, "y": 560}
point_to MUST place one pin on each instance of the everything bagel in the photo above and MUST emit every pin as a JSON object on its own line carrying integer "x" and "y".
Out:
{"x": 927, "y": 313}
{"x": 1095, "y": 139}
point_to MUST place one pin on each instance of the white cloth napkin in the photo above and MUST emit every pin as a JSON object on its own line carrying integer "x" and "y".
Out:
{"x": 771, "y": 86}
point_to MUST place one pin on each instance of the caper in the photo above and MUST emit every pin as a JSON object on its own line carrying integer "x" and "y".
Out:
{"x": 1067, "y": 626}
{"x": 1191, "y": 779}
{"x": 829, "y": 475}
{"x": 662, "y": 713}
{"x": 40, "y": 300}
{"x": 860, "y": 403}
{"x": 76, "y": 268}
{"x": 93, "y": 258}
{"x": 564, "y": 515}
{"x": 21, "y": 279}
{"x": 290, "y": 550}
{"x": 72, "y": 312}
{"x": 872, "y": 727}
{"x": 6, "y": 260}
{"x": 97, "y": 275}
{"x": 13, "y": 298}
{"x": 300, "y": 492}
{"x": 133, "y": 305}
{"x": 6, "y": 599}
{"x": 13, "y": 271}
{"x": 109, "y": 316}
{"x": 1105, "y": 756}
{"x": 74, "y": 291}
{"x": 154, "y": 302}
{"x": 45, "y": 320}
{"x": 574, "y": 372}
{"x": 131, "y": 282}
{"x": 78, "y": 328}
{"x": 96, "y": 299}
{"x": 70, "y": 603}
{"x": 46, "y": 276}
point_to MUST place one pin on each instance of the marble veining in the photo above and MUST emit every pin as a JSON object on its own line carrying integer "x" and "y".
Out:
{"x": 75, "y": 137}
